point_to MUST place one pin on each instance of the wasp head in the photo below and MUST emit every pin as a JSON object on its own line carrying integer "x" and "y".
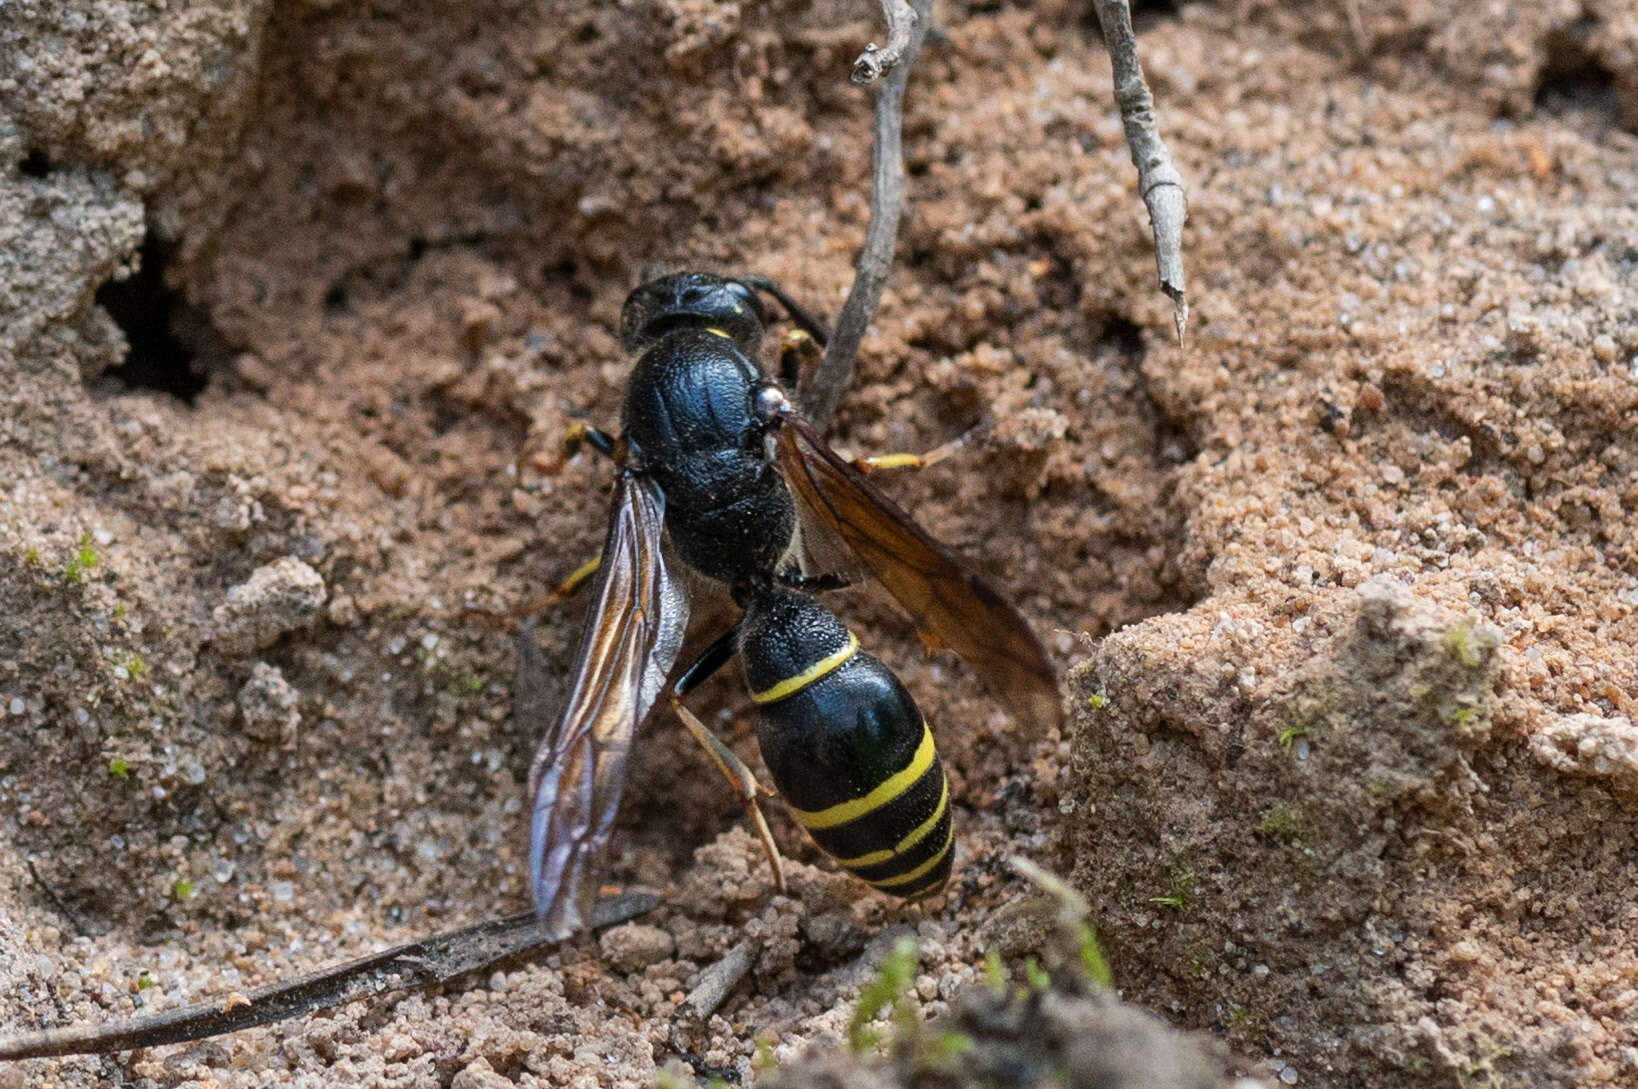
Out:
{"x": 691, "y": 299}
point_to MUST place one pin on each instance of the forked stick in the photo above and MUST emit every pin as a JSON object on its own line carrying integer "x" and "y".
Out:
{"x": 1159, "y": 182}
{"x": 835, "y": 370}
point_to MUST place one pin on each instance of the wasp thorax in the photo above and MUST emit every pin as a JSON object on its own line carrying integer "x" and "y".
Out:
{"x": 691, "y": 300}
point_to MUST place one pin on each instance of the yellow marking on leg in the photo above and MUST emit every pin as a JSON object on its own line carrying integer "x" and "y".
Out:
{"x": 892, "y": 461}
{"x": 580, "y": 575}
{"x": 791, "y": 685}
{"x": 561, "y": 592}
{"x": 920, "y": 871}
{"x": 714, "y": 331}
{"x": 912, "y": 461}
{"x": 885, "y": 792}
{"x": 919, "y": 833}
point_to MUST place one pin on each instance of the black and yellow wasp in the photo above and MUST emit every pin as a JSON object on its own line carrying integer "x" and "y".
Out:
{"x": 713, "y": 458}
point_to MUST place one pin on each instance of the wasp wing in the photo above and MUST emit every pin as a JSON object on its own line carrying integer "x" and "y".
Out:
{"x": 632, "y": 635}
{"x": 953, "y": 607}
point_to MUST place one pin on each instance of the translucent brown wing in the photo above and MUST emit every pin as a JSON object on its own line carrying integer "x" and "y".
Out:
{"x": 633, "y": 633}
{"x": 953, "y": 607}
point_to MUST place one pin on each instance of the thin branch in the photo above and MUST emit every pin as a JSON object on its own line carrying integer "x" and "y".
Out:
{"x": 417, "y": 965}
{"x": 717, "y": 980}
{"x": 874, "y": 63}
{"x": 51, "y": 894}
{"x": 1159, "y": 181}
{"x": 688, "y": 1022}
{"x": 835, "y": 370}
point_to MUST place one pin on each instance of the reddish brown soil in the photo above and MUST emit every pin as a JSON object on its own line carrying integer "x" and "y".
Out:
{"x": 1357, "y": 790}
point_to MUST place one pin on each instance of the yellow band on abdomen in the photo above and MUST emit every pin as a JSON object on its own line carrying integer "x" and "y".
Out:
{"x": 791, "y": 685}
{"x": 885, "y": 792}
{"x": 920, "y": 871}
{"x": 919, "y": 833}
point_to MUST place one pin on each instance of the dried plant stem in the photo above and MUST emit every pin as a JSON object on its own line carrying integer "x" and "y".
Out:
{"x": 417, "y": 965}
{"x": 873, "y": 63}
{"x": 1159, "y": 181}
{"x": 835, "y": 370}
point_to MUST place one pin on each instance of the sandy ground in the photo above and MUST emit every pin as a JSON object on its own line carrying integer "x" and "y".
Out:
{"x": 1346, "y": 591}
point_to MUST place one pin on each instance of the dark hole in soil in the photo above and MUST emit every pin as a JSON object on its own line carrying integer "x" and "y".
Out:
{"x": 1572, "y": 78}
{"x": 34, "y": 164}
{"x": 335, "y": 298}
{"x": 1145, "y": 15}
{"x": 165, "y": 333}
{"x": 1144, "y": 12}
{"x": 1174, "y": 444}
{"x": 1125, "y": 334}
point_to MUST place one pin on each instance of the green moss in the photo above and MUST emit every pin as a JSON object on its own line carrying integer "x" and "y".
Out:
{"x": 889, "y": 989}
{"x": 1246, "y": 1023}
{"x": 763, "y": 1061}
{"x": 182, "y": 889}
{"x": 995, "y": 976}
{"x": 119, "y": 769}
{"x": 940, "y": 1050}
{"x": 1181, "y": 895}
{"x": 1097, "y": 701}
{"x": 135, "y": 666}
{"x": 83, "y": 560}
{"x": 1036, "y": 976}
{"x": 1093, "y": 962}
{"x": 1282, "y": 822}
{"x": 1464, "y": 645}
{"x": 1289, "y": 737}
{"x": 32, "y": 558}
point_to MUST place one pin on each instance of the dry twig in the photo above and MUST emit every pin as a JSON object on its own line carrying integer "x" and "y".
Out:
{"x": 717, "y": 980}
{"x": 414, "y": 966}
{"x": 909, "y": 22}
{"x": 1159, "y": 181}
{"x": 873, "y": 63}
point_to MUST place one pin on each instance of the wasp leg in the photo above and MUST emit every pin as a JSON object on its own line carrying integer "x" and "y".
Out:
{"x": 739, "y": 777}
{"x": 582, "y": 432}
{"x": 796, "y": 349}
{"x": 577, "y": 433}
{"x": 562, "y": 592}
{"x": 806, "y": 321}
{"x": 911, "y": 461}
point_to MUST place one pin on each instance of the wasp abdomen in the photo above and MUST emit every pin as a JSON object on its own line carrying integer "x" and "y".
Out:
{"x": 898, "y": 835}
{"x": 847, "y": 747}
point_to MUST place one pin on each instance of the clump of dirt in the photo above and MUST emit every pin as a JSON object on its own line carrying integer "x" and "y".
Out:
{"x": 1357, "y": 790}
{"x": 1368, "y": 806}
